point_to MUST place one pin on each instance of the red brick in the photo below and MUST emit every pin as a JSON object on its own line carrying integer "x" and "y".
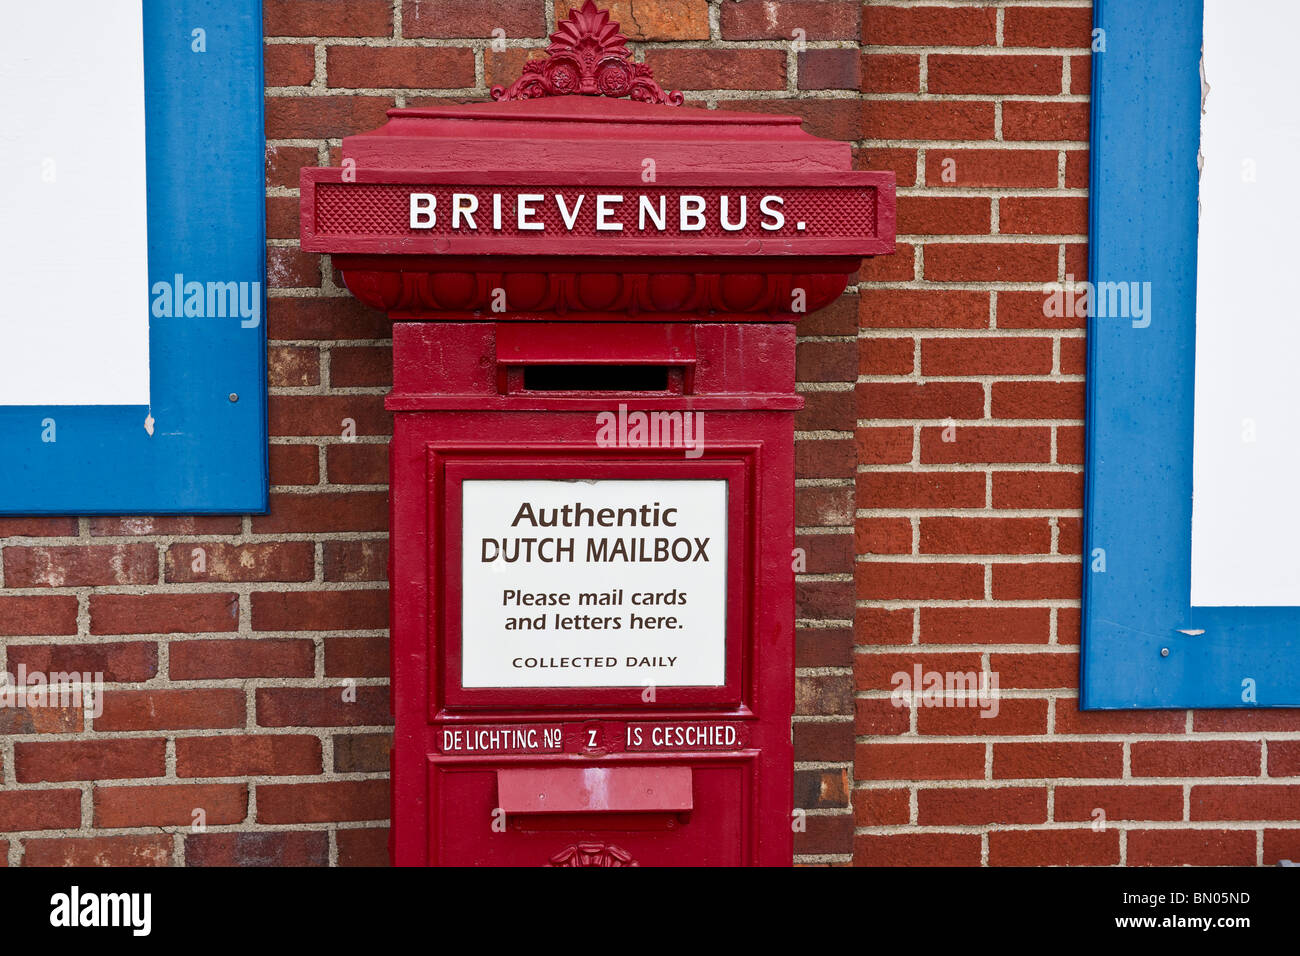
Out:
{"x": 323, "y": 802}
{"x": 824, "y": 458}
{"x": 248, "y": 755}
{"x": 887, "y": 73}
{"x": 880, "y": 717}
{"x": 327, "y": 18}
{"x": 1057, "y": 759}
{"x": 143, "y": 527}
{"x": 163, "y": 613}
{"x": 1283, "y": 756}
{"x": 331, "y": 511}
{"x": 929, "y": 308}
{"x": 880, "y": 671}
{"x": 1248, "y": 721}
{"x": 367, "y": 846}
{"x": 1071, "y": 720}
{"x": 884, "y": 536}
{"x": 928, "y": 119}
{"x": 971, "y": 444}
{"x": 323, "y": 117}
{"x": 39, "y": 810}
{"x": 361, "y": 366}
{"x": 1040, "y": 26}
{"x": 826, "y": 361}
{"x": 357, "y": 464}
{"x": 322, "y": 707}
{"x": 144, "y": 850}
{"x": 1012, "y": 718}
{"x": 1245, "y": 802}
{"x": 882, "y": 626}
{"x": 990, "y": 262}
{"x": 1027, "y": 582}
{"x": 472, "y": 18}
{"x": 1038, "y": 400}
{"x": 38, "y": 527}
{"x": 919, "y": 761}
{"x": 944, "y": 535}
{"x": 1195, "y": 758}
{"x": 36, "y": 762}
{"x": 985, "y": 625}
{"x": 313, "y": 319}
{"x": 356, "y": 561}
{"x": 320, "y": 610}
{"x": 80, "y": 565}
{"x": 661, "y": 20}
{"x": 944, "y": 215}
{"x": 270, "y": 561}
{"x": 1022, "y": 168}
{"x": 880, "y": 580}
{"x": 894, "y": 356}
{"x": 1037, "y": 670}
{"x": 1043, "y": 215}
{"x": 1118, "y": 803}
{"x": 362, "y": 753}
{"x": 291, "y": 366}
{"x": 962, "y": 74}
{"x": 986, "y": 356}
{"x": 356, "y": 656}
{"x": 1038, "y": 489}
{"x": 916, "y": 849}
{"x": 331, "y": 415}
{"x": 171, "y": 709}
{"x": 778, "y": 19}
{"x": 170, "y": 805}
{"x": 282, "y": 169}
{"x": 294, "y": 464}
{"x": 874, "y": 808}
{"x": 1281, "y": 845}
{"x": 1083, "y": 847}
{"x": 120, "y": 662}
{"x": 289, "y": 64}
{"x": 283, "y": 848}
{"x": 944, "y": 806}
{"x": 1191, "y": 848}
{"x": 1025, "y": 310}
{"x": 1044, "y": 122}
{"x": 718, "y": 69}
{"x": 928, "y": 26}
{"x": 920, "y": 489}
{"x": 41, "y": 719}
{"x": 241, "y": 657}
{"x": 827, "y": 741}
{"x": 360, "y": 67}
{"x": 878, "y": 400}
{"x": 884, "y": 446}
{"x": 901, "y": 162}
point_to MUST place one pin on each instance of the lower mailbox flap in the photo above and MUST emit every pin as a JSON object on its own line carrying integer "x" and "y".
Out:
{"x": 594, "y": 789}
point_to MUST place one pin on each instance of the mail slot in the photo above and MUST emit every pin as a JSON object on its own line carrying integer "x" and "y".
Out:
{"x": 594, "y": 292}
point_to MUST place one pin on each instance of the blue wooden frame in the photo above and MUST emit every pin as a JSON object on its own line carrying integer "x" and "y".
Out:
{"x": 206, "y": 218}
{"x": 1137, "y": 652}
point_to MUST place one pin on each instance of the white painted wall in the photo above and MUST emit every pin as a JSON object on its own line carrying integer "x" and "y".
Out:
{"x": 1246, "y": 504}
{"x": 74, "y": 297}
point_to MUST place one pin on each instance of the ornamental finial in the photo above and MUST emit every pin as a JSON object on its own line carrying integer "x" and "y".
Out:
{"x": 587, "y": 56}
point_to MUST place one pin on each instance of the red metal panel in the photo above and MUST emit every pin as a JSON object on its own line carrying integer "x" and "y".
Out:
{"x": 614, "y": 789}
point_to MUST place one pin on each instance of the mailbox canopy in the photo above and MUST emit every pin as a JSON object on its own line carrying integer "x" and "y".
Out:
{"x": 563, "y": 197}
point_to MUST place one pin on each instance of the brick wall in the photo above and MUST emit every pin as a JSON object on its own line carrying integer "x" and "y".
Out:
{"x": 970, "y": 486}
{"x": 248, "y": 658}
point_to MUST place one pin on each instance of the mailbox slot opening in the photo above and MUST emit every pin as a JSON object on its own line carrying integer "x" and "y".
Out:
{"x": 602, "y": 378}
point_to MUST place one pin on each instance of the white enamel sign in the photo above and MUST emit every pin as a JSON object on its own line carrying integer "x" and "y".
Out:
{"x": 1247, "y": 433}
{"x": 74, "y": 258}
{"x": 594, "y": 583}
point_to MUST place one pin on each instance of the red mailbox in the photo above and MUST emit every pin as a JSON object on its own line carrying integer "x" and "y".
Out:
{"x": 592, "y": 477}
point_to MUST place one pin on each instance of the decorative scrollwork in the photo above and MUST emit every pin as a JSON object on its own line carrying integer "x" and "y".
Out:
{"x": 592, "y": 854}
{"x": 588, "y": 57}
